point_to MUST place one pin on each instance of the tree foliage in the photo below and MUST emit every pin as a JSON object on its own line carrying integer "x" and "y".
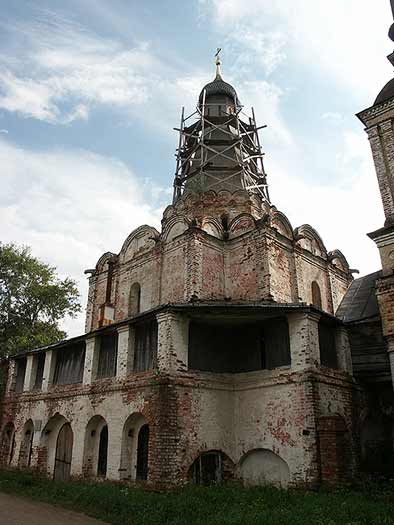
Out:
{"x": 32, "y": 301}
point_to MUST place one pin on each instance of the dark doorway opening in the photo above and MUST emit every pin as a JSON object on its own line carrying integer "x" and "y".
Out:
{"x": 103, "y": 452}
{"x": 143, "y": 453}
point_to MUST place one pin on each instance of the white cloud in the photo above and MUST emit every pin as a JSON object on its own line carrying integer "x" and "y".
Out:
{"x": 64, "y": 65}
{"x": 333, "y": 36}
{"x": 5, "y": 131}
{"x": 341, "y": 210}
{"x": 70, "y": 207}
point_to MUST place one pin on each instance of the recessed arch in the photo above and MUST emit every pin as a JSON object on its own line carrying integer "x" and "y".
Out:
{"x": 308, "y": 238}
{"x": 95, "y": 456}
{"x": 211, "y": 466}
{"x": 7, "y": 445}
{"x": 130, "y": 441}
{"x": 261, "y": 466}
{"x": 316, "y": 295}
{"x": 63, "y": 454}
{"x": 134, "y": 307}
{"x": 26, "y": 448}
{"x": 281, "y": 223}
{"x": 48, "y": 441}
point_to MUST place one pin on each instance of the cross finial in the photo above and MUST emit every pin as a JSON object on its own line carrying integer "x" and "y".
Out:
{"x": 218, "y": 62}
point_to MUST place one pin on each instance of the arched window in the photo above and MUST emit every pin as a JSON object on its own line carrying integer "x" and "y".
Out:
{"x": 134, "y": 299}
{"x": 316, "y": 295}
{"x": 143, "y": 453}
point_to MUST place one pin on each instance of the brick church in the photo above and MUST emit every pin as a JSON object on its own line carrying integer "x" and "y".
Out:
{"x": 228, "y": 345}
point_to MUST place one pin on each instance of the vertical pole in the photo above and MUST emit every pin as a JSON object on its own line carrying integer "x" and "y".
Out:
{"x": 260, "y": 156}
{"x": 202, "y": 129}
{"x": 176, "y": 186}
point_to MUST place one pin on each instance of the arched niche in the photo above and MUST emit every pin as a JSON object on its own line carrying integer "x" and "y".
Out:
{"x": 338, "y": 260}
{"x": 7, "y": 444}
{"x": 141, "y": 240}
{"x": 241, "y": 224}
{"x": 26, "y": 448}
{"x": 49, "y": 441}
{"x": 281, "y": 223}
{"x": 102, "y": 263}
{"x": 213, "y": 227}
{"x": 174, "y": 228}
{"x": 316, "y": 295}
{"x": 134, "y": 306}
{"x": 308, "y": 239}
{"x": 95, "y": 454}
{"x": 135, "y": 448}
{"x": 262, "y": 466}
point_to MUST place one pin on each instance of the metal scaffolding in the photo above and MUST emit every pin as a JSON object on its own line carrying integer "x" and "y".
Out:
{"x": 239, "y": 150}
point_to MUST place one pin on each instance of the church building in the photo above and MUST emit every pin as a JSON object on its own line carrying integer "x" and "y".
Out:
{"x": 227, "y": 345}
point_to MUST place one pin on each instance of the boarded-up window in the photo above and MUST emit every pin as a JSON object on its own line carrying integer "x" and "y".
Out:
{"x": 20, "y": 374}
{"x": 69, "y": 365}
{"x": 145, "y": 349}
{"x": 234, "y": 347}
{"x": 39, "y": 366}
{"x": 316, "y": 295}
{"x": 108, "y": 353}
{"x": 276, "y": 344}
{"x": 328, "y": 352}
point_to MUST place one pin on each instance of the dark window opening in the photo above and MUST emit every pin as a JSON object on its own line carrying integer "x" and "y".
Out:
{"x": 145, "y": 347}
{"x": 208, "y": 468}
{"x": 143, "y": 453}
{"x": 103, "y": 452}
{"x": 316, "y": 295}
{"x": 40, "y": 364}
{"x": 108, "y": 353}
{"x": 20, "y": 374}
{"x": 328, "y": 351}
{"x": 231, "y": 347}
{"x": 69, "y": 365}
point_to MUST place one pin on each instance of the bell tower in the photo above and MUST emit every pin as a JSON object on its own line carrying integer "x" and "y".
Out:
{"x": 379, "y": 126}
{"x": 219, "y": 147}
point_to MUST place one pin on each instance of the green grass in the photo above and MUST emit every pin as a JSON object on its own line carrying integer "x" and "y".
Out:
{"x": 216, "y": 505}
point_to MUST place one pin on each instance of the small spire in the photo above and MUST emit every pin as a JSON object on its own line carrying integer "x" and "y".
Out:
{"x": 218, "y": 63}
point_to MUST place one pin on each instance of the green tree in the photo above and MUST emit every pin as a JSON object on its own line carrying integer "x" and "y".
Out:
{"x": 32, "y": 301}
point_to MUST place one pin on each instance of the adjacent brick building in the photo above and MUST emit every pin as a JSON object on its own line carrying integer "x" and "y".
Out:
{"x": 212, "y": 348}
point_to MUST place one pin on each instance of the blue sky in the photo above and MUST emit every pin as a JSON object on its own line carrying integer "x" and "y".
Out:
{"x": 91, "y": 89}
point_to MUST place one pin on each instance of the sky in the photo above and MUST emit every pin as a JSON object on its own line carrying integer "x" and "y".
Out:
{"x": 90, "y": 91}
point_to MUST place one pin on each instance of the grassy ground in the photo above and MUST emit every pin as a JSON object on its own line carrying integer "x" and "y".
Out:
{"x": 216, "y": 505}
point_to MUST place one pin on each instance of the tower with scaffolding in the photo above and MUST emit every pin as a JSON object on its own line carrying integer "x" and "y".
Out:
{"x": 219, "y": 146}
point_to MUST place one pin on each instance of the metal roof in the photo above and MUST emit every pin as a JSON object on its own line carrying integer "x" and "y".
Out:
{"x": 218, "y": 87}
{"x": 359, "y": 302}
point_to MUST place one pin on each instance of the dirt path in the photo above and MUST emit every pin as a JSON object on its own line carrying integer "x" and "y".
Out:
{"x": 20, "y": 511}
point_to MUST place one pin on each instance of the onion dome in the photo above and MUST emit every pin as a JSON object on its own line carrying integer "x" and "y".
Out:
{"x": 219, "y": 87}
{"x": 386, "y": 93}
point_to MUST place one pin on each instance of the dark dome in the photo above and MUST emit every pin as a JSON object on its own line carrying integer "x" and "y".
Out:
{"x": 386, "y": 93}
{"x": 219, "y": 87}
